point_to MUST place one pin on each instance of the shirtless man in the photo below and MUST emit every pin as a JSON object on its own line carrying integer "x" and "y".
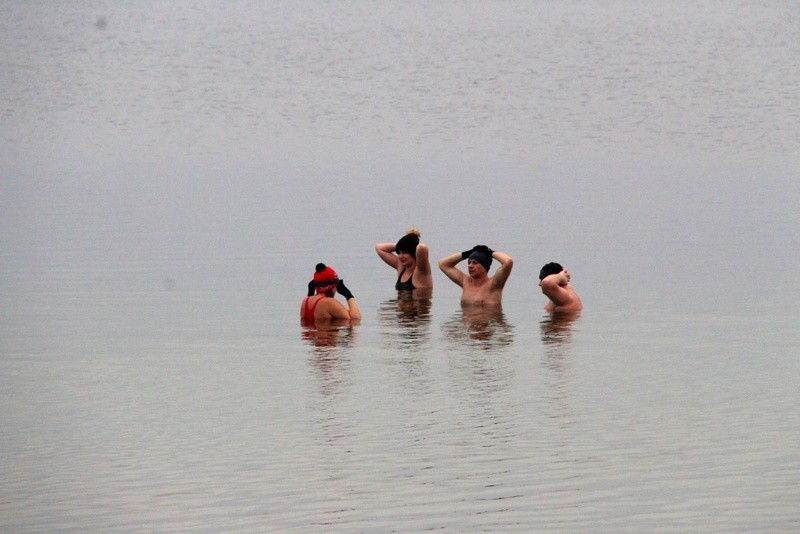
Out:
{"x": 479, "y": 289}
{"x": 554, "y": 281}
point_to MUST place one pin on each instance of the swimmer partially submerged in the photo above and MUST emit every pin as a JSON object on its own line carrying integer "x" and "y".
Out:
{"x": 554, "y": 280}
{"x": 409, "y": 257}
{"x": 478, "y": 288}
{"x": 320, "y": 304}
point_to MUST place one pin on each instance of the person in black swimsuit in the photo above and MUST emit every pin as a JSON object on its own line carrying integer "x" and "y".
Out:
{"x": 408, "y": 285}
{"x": 409, "y": 257}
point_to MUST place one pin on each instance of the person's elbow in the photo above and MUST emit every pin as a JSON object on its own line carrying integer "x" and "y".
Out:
{"x": 549, "y": 284}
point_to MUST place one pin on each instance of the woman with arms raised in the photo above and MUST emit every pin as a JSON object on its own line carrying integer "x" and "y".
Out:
{"x": 409, "y": 258}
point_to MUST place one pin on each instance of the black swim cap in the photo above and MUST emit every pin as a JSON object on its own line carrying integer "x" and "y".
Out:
{"x": 550, "y": 268}
{"x": 481, "y": 258}
{"x": 408, "y": 243}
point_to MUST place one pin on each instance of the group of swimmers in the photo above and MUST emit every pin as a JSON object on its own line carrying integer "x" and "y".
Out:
{"x": 409, "y": 257}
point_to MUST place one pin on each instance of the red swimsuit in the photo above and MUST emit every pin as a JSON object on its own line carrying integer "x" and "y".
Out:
{"x": 308, "y": 312}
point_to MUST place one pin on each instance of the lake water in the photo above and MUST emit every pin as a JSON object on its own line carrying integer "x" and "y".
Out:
{"x": 171, "y": 172}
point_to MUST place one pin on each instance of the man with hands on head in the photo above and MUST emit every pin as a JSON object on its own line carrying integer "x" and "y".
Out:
{"x": 554, "y": 281}
{"x": 479, "y": 289}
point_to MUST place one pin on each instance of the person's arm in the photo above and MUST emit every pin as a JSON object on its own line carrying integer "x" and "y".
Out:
{"x": 423, "y": 263}
{"x": 386, "y": 253}
{"x": 448, "y": 267}
{"x": 336, "y": 309}
{"x": 423, "y": 276}
{"x": 353, "y": 311}
{"x": 504, "y": 271}
{"x": 553, "y": 287}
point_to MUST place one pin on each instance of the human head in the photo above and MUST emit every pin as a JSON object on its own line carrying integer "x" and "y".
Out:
{"x": 550, "y": 268}
{"x": 325, "y": 278}
{"x": 408, "y": 243}
{"x": 480, "y": 257}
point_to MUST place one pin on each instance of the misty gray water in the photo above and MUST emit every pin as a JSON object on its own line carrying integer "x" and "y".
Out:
{"x": 171, "y": 172}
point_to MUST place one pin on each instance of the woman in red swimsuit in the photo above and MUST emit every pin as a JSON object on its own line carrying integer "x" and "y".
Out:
{"x": 409, "y": 258}
{"x": 320, "y": 304}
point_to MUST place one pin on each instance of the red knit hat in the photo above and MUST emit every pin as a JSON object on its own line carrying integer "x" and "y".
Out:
{"x": 324, "y": 278}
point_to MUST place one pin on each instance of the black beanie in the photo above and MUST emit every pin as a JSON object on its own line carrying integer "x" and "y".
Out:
{"x": 481, "y": 258}
{"x": 408, "y": 243}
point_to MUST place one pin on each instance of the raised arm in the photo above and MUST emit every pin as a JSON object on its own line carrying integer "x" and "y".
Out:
{"x": 448, "y": 267}
{"x": 504, "y": 271}
{"x": 423, "y": 263}
{"x": 353, "y": 311}
{"x": 386, "y": 252}
{"x": 337, "y": 310}
{"x": 553, "y": 287}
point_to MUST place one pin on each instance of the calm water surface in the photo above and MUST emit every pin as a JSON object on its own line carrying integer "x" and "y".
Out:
{"x": 170, "y": 174}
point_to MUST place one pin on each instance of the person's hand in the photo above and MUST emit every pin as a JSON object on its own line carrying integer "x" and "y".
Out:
{"x": 312, "y": 288}
{"x": 483, "y": 249}
{"x": 466, "y": 253}
{"x": 343, "y": 291}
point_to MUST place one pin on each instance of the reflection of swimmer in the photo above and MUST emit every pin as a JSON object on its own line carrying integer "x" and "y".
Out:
{"x": 407, "y": 318}
{"x": 330, "y": 334}
{"x": 408, "y": 308}
{"x": 330, "y": 357}
{"x": 554, "y": 281}
{"x": 409, "y": 258}
{"x": 479, "y": 289}
{"x": 322, "y": 306}
{"x": 483, "y": 327}
{"x": 557, "y": 327}
{"x": 479, "y": 338}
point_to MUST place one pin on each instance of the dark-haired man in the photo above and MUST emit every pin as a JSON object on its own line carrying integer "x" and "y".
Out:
{"x": 479, "y": 289}
{"x": 554, "y": 281}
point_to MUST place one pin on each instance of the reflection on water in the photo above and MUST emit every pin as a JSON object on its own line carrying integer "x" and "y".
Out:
{"x": 329, "y": 335}
{"x": 479, "y": 327}
{"x": 329, "y": 341}
{"x": 556, "y": 330}
{"x": 477, "y": 338}
{"x": 406, "y": 319}
{"x": 405, "y": 332}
